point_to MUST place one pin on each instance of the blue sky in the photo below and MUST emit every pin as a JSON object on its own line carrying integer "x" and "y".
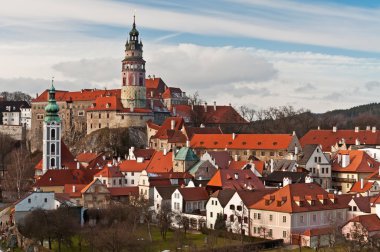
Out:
{"x": 319, "y": 55}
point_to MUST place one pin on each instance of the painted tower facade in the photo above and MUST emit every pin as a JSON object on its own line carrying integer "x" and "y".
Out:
{"x": 133, "y": 91}
{"x": 51, "y": 135}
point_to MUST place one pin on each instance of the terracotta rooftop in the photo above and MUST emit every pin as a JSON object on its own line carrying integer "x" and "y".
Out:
{"x": 133, "y": 165}
{"x": 242, "y": 141}
{"x": 109, "y": 172}
{"x": 124, "y": 191}
{"x": 63, "y": 177}
{"x": 223, "y": 196}
{"x": 370, "y": 222}
{"x": 160, "y": 163}
{"x": 83, "y": 95}
{"x": 356, "y": 188}
{"x": 328, "y": 138}
{"x": 194, "y": 193}
{"x": 235, "y": 179}
{"x": 360, "y": 162}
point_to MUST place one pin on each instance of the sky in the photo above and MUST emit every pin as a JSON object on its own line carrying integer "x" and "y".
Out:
{"x": 318, "y": 55}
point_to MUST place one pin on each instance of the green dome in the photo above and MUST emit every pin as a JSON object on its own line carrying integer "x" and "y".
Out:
{"x": 52, "y": 108}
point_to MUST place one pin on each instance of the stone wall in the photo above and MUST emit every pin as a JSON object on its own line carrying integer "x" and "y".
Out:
{"x": 15, "y": 131}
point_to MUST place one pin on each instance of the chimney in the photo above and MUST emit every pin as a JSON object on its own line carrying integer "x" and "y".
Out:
{"x": 36, "y": 96}
{"x": 183, "y": 94}
{"x": 357, "y": 141}
{"x": 154, "y": 76}
{"x": 334, "y": 129}
{"x": 368, "y": 128}
{"x": 271, "y": 166}
{"x": 345, "y": 160}
{"x": 233, "y": 136}
{"x": 118, "y": 159}
{"x": 319, "y": 127}
{"x": 151, "y": 104}
{"x": 286, "y": 181}
{"x": 339, "y": 158}
{"x": 174, "y": 152}
{"x": 296, "y": 150}
{"x": 214, "y": 105}
{"x": 192, "y": 106}
{"x": 73, "y": 188}
{"x": 174, "y": 111}
{"x": 151, "y": 93}
{"x": 188, "y": 144}
{"x": 202, "y": 125}
{"x": 236, "y": 175}
{"x": 361, "y": 183}
{"x": 294, "y": 133}
{"x": 356, "y": 129}
{"x": 236, "y": 158}
{"x": 104, "y": 157}
{"x": 374, "y": 129}
{"x": 165, "y": 152}
{"x": 78, "y": 165}
{"x": 205, "y": 107}
{"x": 172, "y": 124}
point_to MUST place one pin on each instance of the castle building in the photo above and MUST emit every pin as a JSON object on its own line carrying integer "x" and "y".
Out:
{"x": 51, "y": 135}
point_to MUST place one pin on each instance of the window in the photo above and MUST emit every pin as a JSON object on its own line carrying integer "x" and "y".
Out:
{"x": 132, "y": 181}
{"x": 52, "y": 162}
{"x": 348, "y": 185}
{"x": 120, "y": 182}
{"x": 239, "y": 208}
{"x": 239, "y": 219}
{"x": 354, "y": 208}
{"x": 270, "y": 217}
{"x": 232, "y": 207}
{"x": 231, "y": 218}
{"x": 211, "y": 226}
{"x": 29, "y": 201}
{"x": 210, "y": 214}
{"x": 314, "y": 217}
{"x": 327, "y": 170}
{"x": 45, "y": 200}
{"x": 259, "y": 216}
{"x": 255, "y": 216}
{"x": 254, "y": 230}
{"x": 323, "y": 170}
{"x": 52, "y": 148}
{"x": 271, "y": 153}
{"x": 301, "y": 218}
{"x": 315, "y": 159}
{"x": 263, "y": 153}
{"x": 319, "y": 159}
{"x": 132, "y": 173}
{"x": 126, "y": 181}
{"x": 283, "y": 234}
{"x": 245, "y": 220}
{"x": 53, "y": 133}
{"x": 284, "y": 219}
{"x": 270, "y": 233}
{"x": 108, "y": 115}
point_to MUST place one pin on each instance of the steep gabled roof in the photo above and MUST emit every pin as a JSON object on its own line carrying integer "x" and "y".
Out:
{"x": 203, "y": 170}
{"x": 193, "y": 193}
{"x": 370, "y": 222}
{"x": 109, "y": 172}
{"x": 278, "y": 176}
{"x": 251, "y": 197}
{"x": 221, "y": 158}
{"x": 166, "y": 131}
{"x": 124, "y": 191}
{"x": 166, "y": 191}
{"x": 356, "y": 187}
{"x": 160, "y": 163}
{"x": 63, "y": 177}
{"x": 223, "y": 196}
{"x": 360, "y": 162}
{"x": 235, "y": 179}
{"x": 363, "y": 203}
{"x": 190, "y": 131}
{"x": 219, "y": 115}
{"x": 307, "y": 151}
{"x": 74, "y": 190}
{"x": 328, "y": 138}
{"x": 133, "y": 165}
{"x": 83, "y": 95}
{"x": 172, "y": 92}
{"x": 242, "y": 141}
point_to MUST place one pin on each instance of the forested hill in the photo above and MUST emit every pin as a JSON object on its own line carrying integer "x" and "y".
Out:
{"x": 286, "y": 119}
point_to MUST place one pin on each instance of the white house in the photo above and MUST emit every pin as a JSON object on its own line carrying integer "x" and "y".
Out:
{"x": 110, "y": 176}
{"x": 317, "y": 163}
{"x": 162, "y": 196}
{"x": 359, "y": 205}
{"x": 216, "y": 204}
{"x": 36, "y": 200}
{"x": 236, "y": 211}
{"x": 26, "y": 117}
{"x": 189, "y": 200}
{"x": 132, "y": 169}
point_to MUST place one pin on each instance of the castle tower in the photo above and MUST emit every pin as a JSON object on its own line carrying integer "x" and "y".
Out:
{"x": 133, "y": 91}
{"x": 51, "y": 156}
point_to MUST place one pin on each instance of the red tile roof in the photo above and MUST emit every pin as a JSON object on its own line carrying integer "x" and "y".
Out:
{"x": 160, "y": 163}
{"x": 133, "y": 165}
{"x": 165, "y": 130}
{"x": 190, "y": 131}
{"x": 155, "y": 83}
{"x": 194, "y": 193}
{"x": 238, "y": 165}
{"x": 87, "y": 157}
{"x": 222, "y": 114}
{"x": 284, "y": 199}
{"x": 172, "y": 92}
{"x": 242, "y": 141}
{"x": 356, "y": 188}
{"x": 251, "y": 197}
{"x": 144, "y": 153}
{"x": 235, "y": 179}
{"x": 124, "y": 191}
{"x": 63, "y": 177}
{"x": 83, "y": 95}
{"x": 109, "y": 172}
{"x": 328, "y": 138}
{"x": 360, "y": 162}
{"x": 74, "y": 190}
{"x": 370, "y": 222}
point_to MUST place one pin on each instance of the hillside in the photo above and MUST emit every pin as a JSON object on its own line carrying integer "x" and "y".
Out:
{"x": 359, "y": 116}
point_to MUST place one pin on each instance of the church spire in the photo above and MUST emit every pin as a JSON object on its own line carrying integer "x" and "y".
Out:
{"x": 52, "y": 108}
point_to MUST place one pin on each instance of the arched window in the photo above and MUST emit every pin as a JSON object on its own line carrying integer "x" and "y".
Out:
{"x": 53, "y": 133}
{"x": 52, "y": 148}
{"x": 52, "y": 162}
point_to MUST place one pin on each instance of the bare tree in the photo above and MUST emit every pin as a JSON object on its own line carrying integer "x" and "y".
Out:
{"x": 164, "y": 217}
{"x": 19, "y": 175}
{"x": 247, "y": 113}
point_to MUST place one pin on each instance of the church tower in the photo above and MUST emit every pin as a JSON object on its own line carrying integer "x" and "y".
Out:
{"x": 133, "y": 91}
{"x": 51, "y": 134}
